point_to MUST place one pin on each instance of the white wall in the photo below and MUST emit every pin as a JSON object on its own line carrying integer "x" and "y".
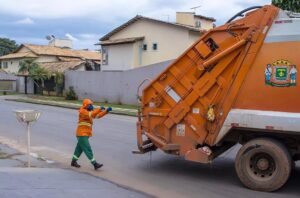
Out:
{"x": 112, "y": 87}
{"x": 189, "y": 18}
{"x": 172, "y": 41}
{"x": 120, "y": 57}
{"x": 21, "y": 85}
{"x": 193, "y": 37}
{"x": 206, "y": 24}
{"x": 12, "y": 65}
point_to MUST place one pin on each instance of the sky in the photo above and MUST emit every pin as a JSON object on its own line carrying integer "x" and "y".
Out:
{"x": 85, "y": 21}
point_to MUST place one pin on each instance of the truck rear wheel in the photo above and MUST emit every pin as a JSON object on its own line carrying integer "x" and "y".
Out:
{"x": 263, "y": 164}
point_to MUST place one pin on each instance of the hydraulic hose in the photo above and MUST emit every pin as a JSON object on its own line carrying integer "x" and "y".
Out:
{"x": 240, "y": 14}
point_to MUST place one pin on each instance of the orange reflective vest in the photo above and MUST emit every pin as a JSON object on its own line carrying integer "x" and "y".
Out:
{"x": 85, "y": 122}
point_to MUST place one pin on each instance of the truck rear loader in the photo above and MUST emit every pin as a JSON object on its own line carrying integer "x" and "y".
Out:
{"x": 238, "y": 84}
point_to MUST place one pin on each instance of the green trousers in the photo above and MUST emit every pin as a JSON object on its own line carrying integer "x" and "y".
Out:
{"x": 83, "y": 145}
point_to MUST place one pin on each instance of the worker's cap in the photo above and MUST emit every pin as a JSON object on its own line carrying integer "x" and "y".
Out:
{"x": 86, "y": 102}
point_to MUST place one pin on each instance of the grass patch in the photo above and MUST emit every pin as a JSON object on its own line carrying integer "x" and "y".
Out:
{"x": 121, "y": 110}
{"x": 79, "y": 102}
{"x": 2, "y": 93}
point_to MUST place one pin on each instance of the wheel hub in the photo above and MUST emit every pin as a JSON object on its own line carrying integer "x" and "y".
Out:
{"x": 262, "y": 165}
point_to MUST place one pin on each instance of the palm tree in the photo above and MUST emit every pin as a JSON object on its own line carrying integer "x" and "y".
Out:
{"x": 25, "y": 67}
{"x": 39, "y": 74}
{"x": 59, "y": 81}
{"x": 30, "y": 68}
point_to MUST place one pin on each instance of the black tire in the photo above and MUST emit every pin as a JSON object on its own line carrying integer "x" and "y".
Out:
{"x": 263, "y": 164}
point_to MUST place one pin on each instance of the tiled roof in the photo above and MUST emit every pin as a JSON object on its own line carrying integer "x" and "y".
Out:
{"x": 120, "y": 41}
{"x": 62, "y": 58}
{"x": 205, "y": 17}
{"x": 18, "y": 55}
{"x": 57, "y": 51}
{"x": 61, "y": 66}
{"x": 89, "y": 55}
{"x": 139, "y": 17}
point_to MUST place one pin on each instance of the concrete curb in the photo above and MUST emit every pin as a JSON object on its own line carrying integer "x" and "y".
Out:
{"x": 118, "y": 111}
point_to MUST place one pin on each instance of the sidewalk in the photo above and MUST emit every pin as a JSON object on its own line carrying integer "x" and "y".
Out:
{"x": 17, "y": 181}
{"x": 64, "y": 104}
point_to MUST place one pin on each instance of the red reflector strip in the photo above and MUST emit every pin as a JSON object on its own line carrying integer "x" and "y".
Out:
{"x": 235, "y": 124}
{"x": 269, "y": 127}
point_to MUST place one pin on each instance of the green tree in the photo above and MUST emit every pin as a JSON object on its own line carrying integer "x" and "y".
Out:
{"x": 31, "y": 69}
{"x": 7, "y": 46}
{"x": 26, "y": 66}
{"x": 39, "y": 75}
{"x": 59, "y": 79}
{"x": 291, "y": 5}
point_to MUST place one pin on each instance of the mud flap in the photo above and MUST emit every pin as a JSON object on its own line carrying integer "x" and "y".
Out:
{"x": 198, "y": 155}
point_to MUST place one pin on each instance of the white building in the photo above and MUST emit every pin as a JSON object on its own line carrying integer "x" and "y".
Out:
{"x": 143, "y": 41}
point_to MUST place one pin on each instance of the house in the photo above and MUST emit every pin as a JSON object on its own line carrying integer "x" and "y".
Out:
{"x": 143, "y": 41}
{"x": 51, "y": 57}
{"x": 55, "y": 57}
{"x": 195, "y": 20}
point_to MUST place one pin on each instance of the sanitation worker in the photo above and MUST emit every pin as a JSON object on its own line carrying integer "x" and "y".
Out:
{"x": 84, "y": 131}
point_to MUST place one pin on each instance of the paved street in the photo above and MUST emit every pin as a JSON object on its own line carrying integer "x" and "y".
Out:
{"x": 57, "y": 183}
{"x": 114, "y": 138}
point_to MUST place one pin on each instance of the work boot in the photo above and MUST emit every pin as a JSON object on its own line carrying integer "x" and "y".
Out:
{"x": 96, "y": 165}
{"x": 75, "y": 164}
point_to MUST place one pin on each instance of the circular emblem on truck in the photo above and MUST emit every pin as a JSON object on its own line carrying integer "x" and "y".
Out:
{"x": 281, "y": 73}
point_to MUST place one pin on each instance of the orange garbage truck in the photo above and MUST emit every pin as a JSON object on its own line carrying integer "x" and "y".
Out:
{"x": 238, "y": 84}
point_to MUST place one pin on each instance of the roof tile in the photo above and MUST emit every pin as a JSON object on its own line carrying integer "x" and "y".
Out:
{"x": 57, "y": 51}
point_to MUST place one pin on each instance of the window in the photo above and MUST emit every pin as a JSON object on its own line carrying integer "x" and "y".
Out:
{"x": 145, "y": 47}
{"x": 154, "y": 46}
{"x": 198, "y": 24}
{"x": 5, "y": 65}
{"x": 104, "y": 56}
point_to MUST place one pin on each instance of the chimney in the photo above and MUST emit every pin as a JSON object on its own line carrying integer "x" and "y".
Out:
{"x": 185, "y": 18}
{"x": 62, "y": 43}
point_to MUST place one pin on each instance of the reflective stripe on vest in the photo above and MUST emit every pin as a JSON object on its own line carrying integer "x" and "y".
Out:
{"x": 84, "y": 124}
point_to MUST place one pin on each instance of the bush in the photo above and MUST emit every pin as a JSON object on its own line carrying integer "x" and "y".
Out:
{"x": 70, "y": 94}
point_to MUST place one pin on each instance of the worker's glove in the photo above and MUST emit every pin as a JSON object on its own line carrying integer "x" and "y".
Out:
{"x": 102, "y": 108}
{"x": 109, "y": 109}
{"x": 90, "y": 107}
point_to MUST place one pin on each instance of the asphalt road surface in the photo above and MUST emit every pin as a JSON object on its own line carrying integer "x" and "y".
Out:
{"x": 157, "y": 174}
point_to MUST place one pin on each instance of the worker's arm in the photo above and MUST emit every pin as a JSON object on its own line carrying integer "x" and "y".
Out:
{"x": 103, "y": 112}
{"x": 91, "y": 114}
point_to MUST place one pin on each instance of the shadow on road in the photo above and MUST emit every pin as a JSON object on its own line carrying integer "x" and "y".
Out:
{"x": 219, "y": 175}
